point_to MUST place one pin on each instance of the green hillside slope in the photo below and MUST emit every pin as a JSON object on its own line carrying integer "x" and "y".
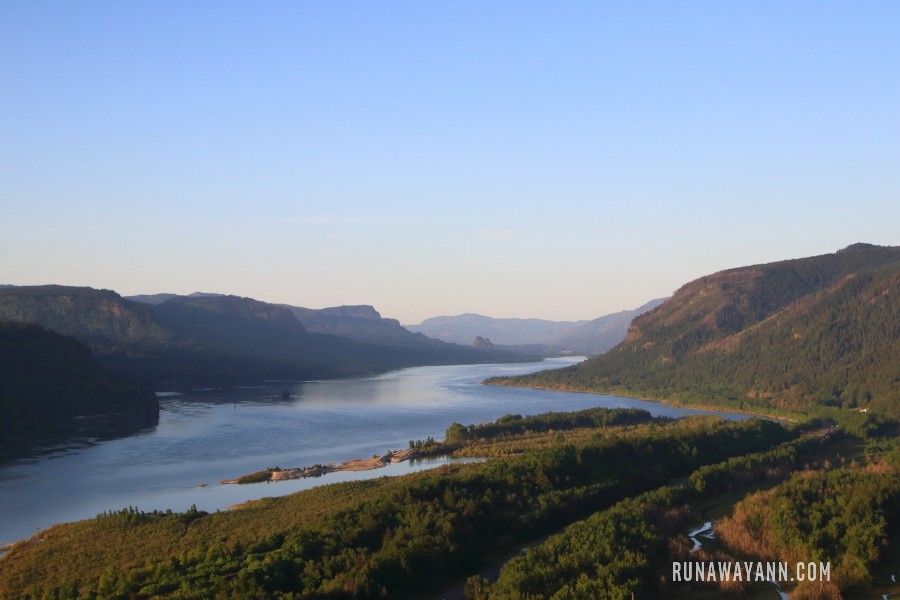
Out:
{"x": 50, "y": 385}
{"x": 100, "y": 318}
{"x": 795, "y": 334}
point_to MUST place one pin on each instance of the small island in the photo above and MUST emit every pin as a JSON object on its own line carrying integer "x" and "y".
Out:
{"x": 359, "y": 464}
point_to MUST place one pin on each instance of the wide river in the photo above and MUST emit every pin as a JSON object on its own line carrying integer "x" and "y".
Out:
{"x": 205, "y": 437}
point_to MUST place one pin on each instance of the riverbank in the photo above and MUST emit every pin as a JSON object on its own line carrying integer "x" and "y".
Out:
{"x": 358, "y": 464}
{"x": 210, "y": 436}
{"x": 711, "y": 408}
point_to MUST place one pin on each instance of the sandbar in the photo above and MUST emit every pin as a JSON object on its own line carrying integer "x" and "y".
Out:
{"x": 358, "y": 464}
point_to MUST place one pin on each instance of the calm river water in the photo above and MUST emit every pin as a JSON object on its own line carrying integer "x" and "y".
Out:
{"x": 205, "y": 437}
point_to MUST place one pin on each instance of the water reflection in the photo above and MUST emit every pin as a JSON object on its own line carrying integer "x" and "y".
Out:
{"x": 208, "y": 436}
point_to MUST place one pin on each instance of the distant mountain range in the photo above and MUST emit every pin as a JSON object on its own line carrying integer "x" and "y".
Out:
{"x": 361, "y": 323}
{"x": 795, "y": 334}
{"x": 214, "y": 339}
{"x": 76, "y": 356}
{"x": 536, "y": 335}
{"x": 463, "y": 329}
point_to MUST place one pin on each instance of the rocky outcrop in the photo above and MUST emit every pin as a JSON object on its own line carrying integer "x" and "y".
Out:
{"x": 483, "y": 343}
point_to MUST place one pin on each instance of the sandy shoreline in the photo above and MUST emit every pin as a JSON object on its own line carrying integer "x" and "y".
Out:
{"x": 358, "y": 464}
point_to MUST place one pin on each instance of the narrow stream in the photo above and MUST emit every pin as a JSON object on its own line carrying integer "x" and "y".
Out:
{"x": 707, "y": 532}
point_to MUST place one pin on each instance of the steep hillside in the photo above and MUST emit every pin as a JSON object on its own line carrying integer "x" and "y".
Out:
{"x": 231, "y": 323}
{"x": 212, "y": 339}
{"x": 50, "y": 385}
{"x": 360, "y": 323}
{"x": 228, "y": 339}
{"x": 100, "y": 318}
{"x": 125, "y": 336}
{"x": 823, "y": 330}
{"x": 602, "y": 334}
{"x": 260, "y": 340}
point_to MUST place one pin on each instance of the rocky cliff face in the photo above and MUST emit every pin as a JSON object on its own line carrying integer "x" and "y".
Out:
{"x": 483, "y": 343}
{"x": 100, "y": 318}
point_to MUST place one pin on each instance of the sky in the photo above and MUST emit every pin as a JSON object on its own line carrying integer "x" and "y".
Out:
{"x": 560, "y": 160}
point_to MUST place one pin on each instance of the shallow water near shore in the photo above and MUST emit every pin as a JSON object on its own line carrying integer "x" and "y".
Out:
{"x": 211, "y": 435}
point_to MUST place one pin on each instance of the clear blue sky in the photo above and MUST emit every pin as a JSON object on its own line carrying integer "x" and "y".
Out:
{"x": 560, "y": 160}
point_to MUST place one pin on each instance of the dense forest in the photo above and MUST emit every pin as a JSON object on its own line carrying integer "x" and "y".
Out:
{"x": 380, "y": 538}
{"x": 592, "y": 504}
{"x": 788, "y": 336}
{"x": 622, "y": 485}
{"x": 844, "y": 516}
{"x": 51, "y": 385}
{"x": 627, "y": 548}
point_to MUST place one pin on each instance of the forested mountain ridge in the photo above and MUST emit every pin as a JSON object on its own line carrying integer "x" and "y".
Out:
{"x": 227, "y": 320}
{"x": 259, "y": 340}
{"x": 50, "y": 383}
{"x": 823, "y": 330}
{"x": 214, "y": 339}
{"x": 100, "y": 318}
{"x": 362, "y": 323}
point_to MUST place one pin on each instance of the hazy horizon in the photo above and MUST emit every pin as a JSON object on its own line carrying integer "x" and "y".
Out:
{"x": 402, "y": 322}
{"x": 519, "y": 159}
